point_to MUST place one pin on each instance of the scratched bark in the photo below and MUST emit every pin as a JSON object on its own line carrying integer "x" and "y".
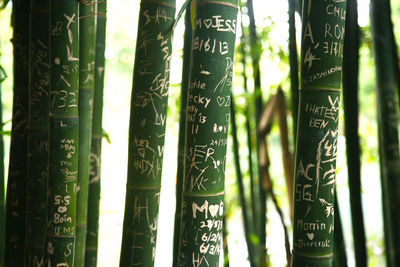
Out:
{"x": 388, "y": 134}
{"x": 97, "y": 135}
{"x": 38, "y": 132}
{"x": 16, "y": 185}
{"x": 208, "y": 116}
{"x": 146, "y": 132}
{"x": 315, "y": 168}
{"x": 64, "y": 124}
{"x": 87, "y": 42}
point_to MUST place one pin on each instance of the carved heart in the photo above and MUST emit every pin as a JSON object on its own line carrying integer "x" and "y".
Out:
{"x": 310, "y": 236}
{"x": 220, "y": 100}
{"x": 207, "y": 23}
{"x": 213, "y": 210}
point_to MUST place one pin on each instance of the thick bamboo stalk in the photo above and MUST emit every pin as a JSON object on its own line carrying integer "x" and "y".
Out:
{"x": 97, "y": 135}
{"x": 147, "y": 131}
{"x": 187, "y": 49}
{"x": 206, "y": 132}
{"x": 17, "y": 182}
{"x": 38, "y": 132}
{"x": 64, "y": 131}
{"x": 321, "y": 67}
{"x": 350, "y": 104}
{"x": 388, "y": 126}
{"x": 87, "y": 47}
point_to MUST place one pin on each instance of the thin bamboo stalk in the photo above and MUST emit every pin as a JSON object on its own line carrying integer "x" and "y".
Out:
{"x": 97, "y": 135}
{"x": 2, "y": 180}
{"x": 248, "y": 132}
{"x": 64, "y": 132}
{"x": 316, "y": 148}
{"x": 147, "y": 131}
{"x": 17, "y": 182}
{"x": 260, "y": 219}
{"x": 239, "y": 178}
{"x": 206, "y": 135}
{"x": 225, "y": 241}
{"x": 339, "y": 246}
{"x": 87, "y": 47}
{"x": 387, "y": 126}
{"x": 38, "y": 132}
{"x": 351, "y": 107}
{"x": 294, "y": 69}
{"x": 187, "y": 49}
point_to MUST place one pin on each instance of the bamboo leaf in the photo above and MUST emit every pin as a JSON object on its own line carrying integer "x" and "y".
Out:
{"x": 106, "y": 136}
{"x": 179, "y": 15}
{"x": 3, "y": 74}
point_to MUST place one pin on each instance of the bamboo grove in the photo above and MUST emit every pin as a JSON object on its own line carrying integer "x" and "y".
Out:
{"x": 233, "y": 130}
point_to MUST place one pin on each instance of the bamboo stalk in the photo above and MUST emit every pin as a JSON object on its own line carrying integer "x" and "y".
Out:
{"x": 147, "y": 131}
{"x": 294, "y": 68}
{"x": 206, "y": 135}
{"x": 248, "y": 133}
{"x": 387, "y": 126}
{"x": 260, "y": 200}
{"x": 87, "y": 47}
{"x": 64, "y": 132}
{"x": 38, "y": 132}
{"x": 97, "y": 135}
{"x": 2, "y": 180}
{"x": 187, "y": 48}
{"x": 351, "y": 107}
{"x": 316, "y": 148}
{"x": 239, "y": 178}
{"x": 17, "y": 182}
{"x": 225, "y": 241}
{"x": 339, "y": 246}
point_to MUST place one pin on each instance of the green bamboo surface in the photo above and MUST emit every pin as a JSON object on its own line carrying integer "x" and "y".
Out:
{"x": 315, "y": 168}
{"x": 2, "y": 180}
{"x": 64, "y": 131}
{"x": 38, "y": 132}
{"x": 97, "y": 135}
{"x": 387, "y": 127}
{"x": 17, "y": 182}
{"x": 351, "y": 107}
{"x": 187, "y": 49}
{"x": 87, "y": 47}
{"x": 208, "y": 115}
{"x": 147, "y": 131}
